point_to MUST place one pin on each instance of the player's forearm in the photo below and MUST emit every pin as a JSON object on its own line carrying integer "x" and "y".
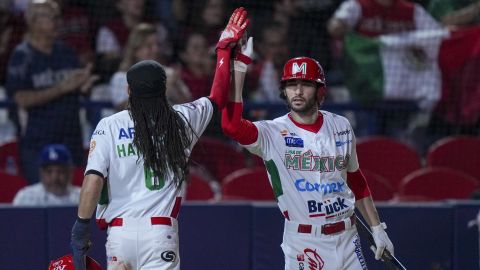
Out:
{"x": 368, "y": 210}
{"x": 238, "y": 81}
{"x": 89, "y": 195}
{"x": 237, "y": 128}
{"x": 30, "y": 98}
{"x": 221, "y": 81}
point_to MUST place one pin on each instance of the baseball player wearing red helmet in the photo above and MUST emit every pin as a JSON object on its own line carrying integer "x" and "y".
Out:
{"x": 311, "y": 159}
{"x": 137, "y": 165}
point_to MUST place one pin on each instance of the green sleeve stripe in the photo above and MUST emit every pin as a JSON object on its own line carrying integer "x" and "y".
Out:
{"x": 275, "y": 178}
{"x": 104, "y": 199}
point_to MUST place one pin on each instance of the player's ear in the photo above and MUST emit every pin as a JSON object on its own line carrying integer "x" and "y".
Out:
{"x": 128, "y": 90}
{"x": 321, "y": 92}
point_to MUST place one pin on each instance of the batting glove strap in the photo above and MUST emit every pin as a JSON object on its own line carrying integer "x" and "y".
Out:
{"x": 243, "y": 56}
{"x": 382, "y": 241}
{"x": 381, "y": 226}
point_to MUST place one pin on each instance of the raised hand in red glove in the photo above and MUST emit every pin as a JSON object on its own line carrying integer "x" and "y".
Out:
{"x": 235, "y": 28}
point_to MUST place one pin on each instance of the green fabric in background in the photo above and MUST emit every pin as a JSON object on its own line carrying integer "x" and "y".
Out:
{"x": 440, "y": 8}
{"x": 363, "y": 68}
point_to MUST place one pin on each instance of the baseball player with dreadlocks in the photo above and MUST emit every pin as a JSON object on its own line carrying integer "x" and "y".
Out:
{"x": 137, "y": 165}
{"x": 311, "y": 159}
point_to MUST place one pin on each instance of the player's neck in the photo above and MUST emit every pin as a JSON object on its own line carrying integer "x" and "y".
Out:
{"x": 305, "y": 118}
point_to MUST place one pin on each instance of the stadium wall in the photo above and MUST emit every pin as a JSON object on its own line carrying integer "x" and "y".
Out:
{"x": 243, "y": 236}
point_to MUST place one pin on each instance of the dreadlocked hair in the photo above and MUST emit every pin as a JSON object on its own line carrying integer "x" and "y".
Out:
{"x": 161, "y": 137}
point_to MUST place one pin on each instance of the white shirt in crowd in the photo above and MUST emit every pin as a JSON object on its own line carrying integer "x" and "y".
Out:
{"x": 36, "y": 195}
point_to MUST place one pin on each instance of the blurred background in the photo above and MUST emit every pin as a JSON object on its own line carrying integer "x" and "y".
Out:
{"x": 405, "y": 73}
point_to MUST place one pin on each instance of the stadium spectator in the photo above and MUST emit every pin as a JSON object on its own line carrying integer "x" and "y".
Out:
{"x": 213, "y": 16}
{"x": 75, "y": 29}
{"x": 171, "y": 12}
{"x": 376, "y": 17}
{"x": 266, "y": 71}
{"x": 404, "y": 77}
{"x": 306, "y": 22}
{"x": 11, "y": 33}
{"x": 197, "y": 65}
{"x": 45, "y": 81}
{"x": 55, "y": 186}
{"x": 207, "y": 17}
{"x": 142, "y": 45}
{"x": 196, "y": 70}
{"x": 455, "y": 13}
{"x": 112, "y": 37}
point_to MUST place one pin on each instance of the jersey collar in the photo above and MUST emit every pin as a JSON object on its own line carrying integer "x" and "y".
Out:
{"x": 315, "y": 127}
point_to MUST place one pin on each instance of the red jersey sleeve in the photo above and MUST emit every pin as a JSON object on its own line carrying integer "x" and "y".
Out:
{"x": 237, "y": 128}
{"x": 221, "y": 81}
{"x": 358, "y": 184}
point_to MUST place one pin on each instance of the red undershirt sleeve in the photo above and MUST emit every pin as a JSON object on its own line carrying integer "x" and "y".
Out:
{"x": 358, "y": 184}
{"x": 221, "y": 81}
{"x": 237, "y": 128}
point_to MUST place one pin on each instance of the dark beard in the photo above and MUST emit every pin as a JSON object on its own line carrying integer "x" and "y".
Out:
{"x": 310, "y": 106}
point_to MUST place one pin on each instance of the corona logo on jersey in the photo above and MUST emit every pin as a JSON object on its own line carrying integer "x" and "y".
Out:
{"x": 327, "y": 208}
{"x": 309, "y": 260}
{"x": 307, "y": 161}
{"x": 303, "y": 185}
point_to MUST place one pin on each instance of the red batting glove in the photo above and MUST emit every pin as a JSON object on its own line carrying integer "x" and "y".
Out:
{"x": 235, "y": 28}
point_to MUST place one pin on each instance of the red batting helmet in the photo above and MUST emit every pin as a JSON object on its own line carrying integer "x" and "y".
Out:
{"x": 303, "y": 68}
{"x": 66, "y": 263}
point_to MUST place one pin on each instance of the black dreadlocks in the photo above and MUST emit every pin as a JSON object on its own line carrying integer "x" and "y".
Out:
{"x": 161, "y": 136}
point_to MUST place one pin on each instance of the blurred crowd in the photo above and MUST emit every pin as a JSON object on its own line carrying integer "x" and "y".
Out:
{"x": 56, "y": 55}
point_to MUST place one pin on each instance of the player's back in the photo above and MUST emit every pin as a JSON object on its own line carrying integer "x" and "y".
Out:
{"x": 132, "y": 188}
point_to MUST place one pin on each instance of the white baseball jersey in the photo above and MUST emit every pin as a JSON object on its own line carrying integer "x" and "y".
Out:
{"x": 132, "y": 190}
{"x": 307, "y": 170}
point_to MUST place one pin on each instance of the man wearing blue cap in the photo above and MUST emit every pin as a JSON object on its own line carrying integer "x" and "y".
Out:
{"x": 55, "y": 186}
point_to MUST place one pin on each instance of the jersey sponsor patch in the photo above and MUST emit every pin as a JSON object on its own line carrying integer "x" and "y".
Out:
{"x": 341, "y": 143}
{"x": 93, "y": 144}
{"x": 326, "y": 208}
{"x": 303, "y": 185}
{"x": 293, "y": 142}
{"x": 98, "y": 132}
{"x": 344, "y": 132}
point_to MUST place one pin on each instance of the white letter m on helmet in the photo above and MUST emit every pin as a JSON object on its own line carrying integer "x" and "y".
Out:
{"x": 302, "y": 68}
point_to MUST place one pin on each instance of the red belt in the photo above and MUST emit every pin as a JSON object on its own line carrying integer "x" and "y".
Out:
{"x": 327, "y": 228}
{"x": 118, "y": 222}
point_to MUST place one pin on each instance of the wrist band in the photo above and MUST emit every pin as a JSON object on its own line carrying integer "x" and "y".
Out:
{"x": 243, "y": 58}
{"x": 83, "y": 220}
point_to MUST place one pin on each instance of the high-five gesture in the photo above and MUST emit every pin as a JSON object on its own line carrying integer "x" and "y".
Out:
{"x": 235, "y": 28}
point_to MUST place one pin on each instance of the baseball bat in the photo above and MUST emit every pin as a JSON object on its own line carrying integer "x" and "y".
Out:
{"x": 390, "y": 260}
